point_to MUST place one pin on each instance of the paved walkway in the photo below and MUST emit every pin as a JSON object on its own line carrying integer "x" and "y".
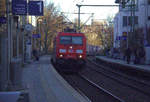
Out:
{"x": 118, "y": 61}
{"x": 46, "y": 85}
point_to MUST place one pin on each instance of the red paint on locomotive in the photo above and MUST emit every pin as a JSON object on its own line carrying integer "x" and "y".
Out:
{"x": 69, "y": 46}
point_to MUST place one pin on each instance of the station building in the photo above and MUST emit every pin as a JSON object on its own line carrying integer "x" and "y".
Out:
{"x": 123, "y": 25}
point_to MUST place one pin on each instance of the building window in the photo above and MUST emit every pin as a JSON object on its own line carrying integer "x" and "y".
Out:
{"x": 125, "y": 21}
{"x": 149, "y": 2}
{"x": 130, "y": 20}
{"x": 149, "y": 18}
{"x": 136, "y": 19}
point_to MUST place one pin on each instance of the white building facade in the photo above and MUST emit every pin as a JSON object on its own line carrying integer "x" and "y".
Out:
{"x": 122, "y": 23}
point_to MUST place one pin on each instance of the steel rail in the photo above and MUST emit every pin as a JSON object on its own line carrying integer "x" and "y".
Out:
{"x": 135, "y": 87}
{"x": 80, "y": 92}
{"x": 129, "y": 78}
{"x": 104, "y": 90}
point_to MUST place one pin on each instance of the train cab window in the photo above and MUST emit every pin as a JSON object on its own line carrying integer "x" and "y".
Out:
{"x": 65, "y": 40}
{"x": 77, "y": 40}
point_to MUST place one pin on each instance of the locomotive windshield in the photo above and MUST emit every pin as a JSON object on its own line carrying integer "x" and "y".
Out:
{"x": 78, "y": 40}
{"x": 65, "y": 39}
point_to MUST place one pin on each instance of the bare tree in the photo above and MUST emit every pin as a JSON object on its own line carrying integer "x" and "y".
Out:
{"x": 99, "y": 34}
{"x": 51, "y": 24}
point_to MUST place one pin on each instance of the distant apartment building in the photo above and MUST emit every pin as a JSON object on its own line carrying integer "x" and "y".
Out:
{"x": 122, "y": 22}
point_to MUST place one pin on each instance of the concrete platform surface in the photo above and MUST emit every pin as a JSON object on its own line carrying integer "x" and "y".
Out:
{"x": 118, "y": 61}
{"x": 44, "y": 84}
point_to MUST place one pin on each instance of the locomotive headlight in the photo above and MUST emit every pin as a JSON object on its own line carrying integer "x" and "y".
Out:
{"x": 61, "y": 55}
{"x": 70, "y": 47}
{"x": 80, "y": 56}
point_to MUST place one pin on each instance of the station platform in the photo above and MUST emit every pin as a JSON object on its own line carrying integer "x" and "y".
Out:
{"x": 44, "y": 84}
{"x": 123, "y": 64}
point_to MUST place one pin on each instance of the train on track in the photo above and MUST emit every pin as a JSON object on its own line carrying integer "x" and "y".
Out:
{"x": 69, "y": 50}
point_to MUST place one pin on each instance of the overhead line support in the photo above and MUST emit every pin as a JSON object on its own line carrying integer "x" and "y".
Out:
{"x": 79, "y": 7}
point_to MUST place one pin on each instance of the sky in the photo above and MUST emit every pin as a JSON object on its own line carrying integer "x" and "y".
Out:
{"x": 99, "y": 12}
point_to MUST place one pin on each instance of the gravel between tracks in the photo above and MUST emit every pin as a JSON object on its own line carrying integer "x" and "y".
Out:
{"x": 93, "y": 93}
{"x": 124, "y": 92}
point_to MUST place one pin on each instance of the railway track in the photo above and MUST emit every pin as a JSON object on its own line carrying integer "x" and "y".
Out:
{"x": 90, "y": 89}
{"x": 129, "y": 71}
{"x": 139, "y": 85}
{"x": 101, "y": 87}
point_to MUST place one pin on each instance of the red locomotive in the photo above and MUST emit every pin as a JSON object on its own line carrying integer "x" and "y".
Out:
{"x": 69, "y": 49}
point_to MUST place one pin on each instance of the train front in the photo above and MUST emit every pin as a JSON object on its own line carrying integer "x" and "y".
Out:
{"x": 71, "y": 49}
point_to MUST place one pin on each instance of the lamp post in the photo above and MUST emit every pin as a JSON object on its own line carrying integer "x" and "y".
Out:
{"x": 111, "y": 33}
{"x": 79, "y": 7}
{"x": 8, "y": 51}
{"x": 39, "y": 20}
{"x": 45, "y": 41}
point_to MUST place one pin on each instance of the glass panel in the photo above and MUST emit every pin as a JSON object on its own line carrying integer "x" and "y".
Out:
{"x": 65, "y": 39}
{"x": 124, "y": 21}
{"x": 130, "y": 20}
{"x": 77, "y": 40}
{"x": 136, "y": 20}
{"x": 71, "y": 40}
{"x": 149, "y": 18}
